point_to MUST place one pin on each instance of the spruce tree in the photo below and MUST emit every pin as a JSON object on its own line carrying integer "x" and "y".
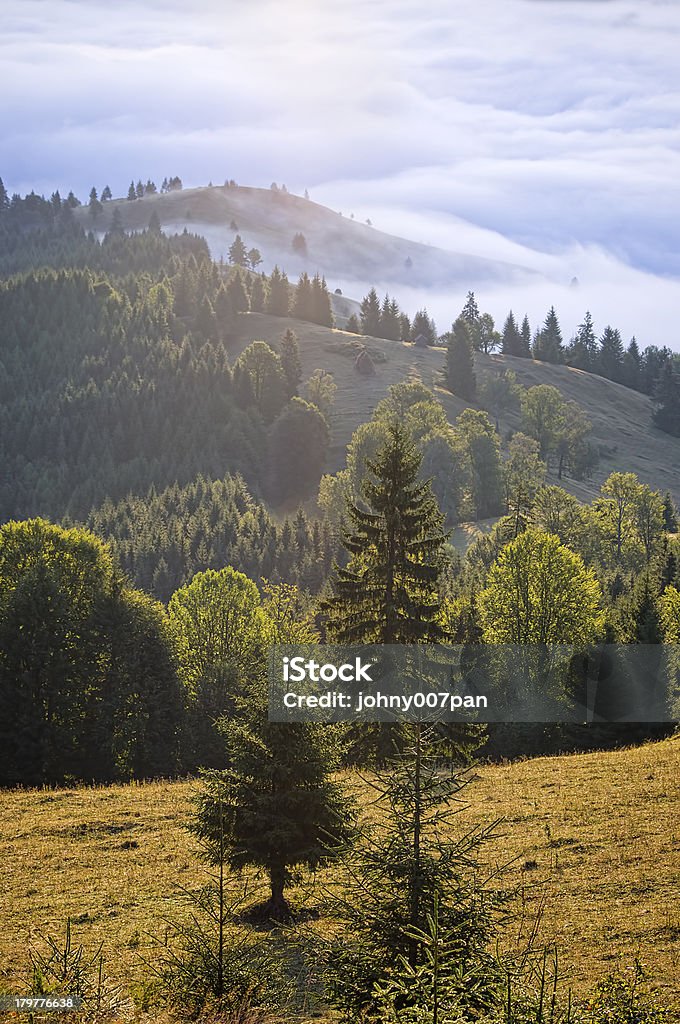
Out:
{"x": 370, "y": 314}
{"x": 511, "y": 344}
{"x": 460, "y": 367}
{"x": 278, "y": 300}
{"x": 290, "y": 362}
{"x": 667, "y": 398}
{"x": 388, "y": 593}
{"x": 610, "y": 357}
{"x": 548, "y": 343}
{"x": 582, "y": 352}
{"x": 525, "y": 339}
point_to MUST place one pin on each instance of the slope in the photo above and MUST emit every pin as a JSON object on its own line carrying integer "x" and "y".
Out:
{"x": 621, "y": 418}
{"x": 592, "y": 838}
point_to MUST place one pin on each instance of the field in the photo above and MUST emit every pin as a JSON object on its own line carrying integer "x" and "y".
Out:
{"x": 621, "y": 419}
{"x": 594, "y": 839}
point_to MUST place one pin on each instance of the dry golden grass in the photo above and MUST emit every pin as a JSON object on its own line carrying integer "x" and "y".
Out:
{"x": 603, "y": 830}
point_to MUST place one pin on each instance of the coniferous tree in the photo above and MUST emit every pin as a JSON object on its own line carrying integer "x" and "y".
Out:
{"x": 303, "y": 303}
{"x": 132, "y": 194}
{"x": 4, "y": 198}
{"x": 667, "y": 398}
{"x": 582, "y": 352}
{"x": 511, "y": 344}
{"x": 388, "y": 592}
{"x": 631, "y": 374}
{"x": 525, "y": 339}
{"x": 238, "y": 254}
{"x": 321, "y": 311}
{"x": 424, "y": 324}
{"x": 548, "y": 343}
{"x": 460, "y": 371}
{"x": 370, "y": 314}
{"x": 610, "y": 357}
{"x": 471, "y": 315}
{"x": 106, "y": 194}
{"x": 290, "y": 362}
{"x": 279, "y": 299}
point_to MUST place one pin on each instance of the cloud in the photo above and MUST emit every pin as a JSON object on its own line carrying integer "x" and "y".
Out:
{"x": 551, "y": 125}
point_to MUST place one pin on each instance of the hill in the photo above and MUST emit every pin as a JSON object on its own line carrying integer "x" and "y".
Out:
{"x": 621, "y": 418}
{"x": 592, "y": 839}
{"x": 337, "y": 246}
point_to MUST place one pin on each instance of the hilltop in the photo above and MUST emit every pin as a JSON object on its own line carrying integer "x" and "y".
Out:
{"x": 621, "y": 418}
{"x": 339, "y": 247}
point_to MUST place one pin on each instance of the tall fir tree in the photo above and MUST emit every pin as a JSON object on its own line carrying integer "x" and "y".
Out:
{"x": 388, "y": 593}
{"x": 460, "y": 371}
{"x": 370, "y": 314}
{"x": 582, "y": 352}
{"x": 548, "y": 345}
{"x": 610, "y": 357}
{"x": 511, "y": 344}
{"x": 290, "y": 362}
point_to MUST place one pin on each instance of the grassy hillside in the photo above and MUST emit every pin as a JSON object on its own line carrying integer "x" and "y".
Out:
{"x": 337, "y": 246}
{"x": 593, "y": 839}
{"x": 621, "y": 418}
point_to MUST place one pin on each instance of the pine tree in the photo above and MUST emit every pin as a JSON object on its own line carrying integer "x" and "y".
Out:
{"x": 238, "y": 254}
{"x": 610, "y": 357}
{"x": 389, "y": 591}
{"x": 370, "y": 314}
{"x": 410, "y": 884}
{"x": 548, "y": 343}
{"x": 582, "y": 352}
{"x": 470, "y": 314}
{"x": 511, "y": 344}
{"x": 424, "y": 324}
{"x": 290, "y": 362}
{"x": 278, "y": 300}
{"x": 632, "y": 366}
{"x": 460, "y": 371}
{"x": 322, "y": 312}
{"x": 281, "y": 808}
{"x": 667, "y": 398}
{"x": 525, "y": 339}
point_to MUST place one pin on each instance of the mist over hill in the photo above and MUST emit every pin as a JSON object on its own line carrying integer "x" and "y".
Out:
{"x": 355, "y": 256}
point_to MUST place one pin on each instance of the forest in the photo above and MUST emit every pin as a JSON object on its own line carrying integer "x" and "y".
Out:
{"x": 170, "y": 513}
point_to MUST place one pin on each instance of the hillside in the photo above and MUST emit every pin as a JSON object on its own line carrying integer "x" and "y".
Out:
{"x": 594, "y": 836}
{"x": 621, "y": 418}
{"x": 337, "y": 246}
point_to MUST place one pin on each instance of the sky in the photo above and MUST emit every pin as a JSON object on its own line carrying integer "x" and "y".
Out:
{"x": 546, "y": 131}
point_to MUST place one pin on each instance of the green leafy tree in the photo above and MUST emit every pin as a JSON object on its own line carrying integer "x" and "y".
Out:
{"x": 298, "y": 446}
{"x": 475, "y": 431}
{"x": 541, "y": 416}
{"x": 320, "y": 389}
{"x": 500, "y": 393}
{"x": 523, "y": 474}
{"x": 540, "y": 592}
{"x": 269, "y": 386}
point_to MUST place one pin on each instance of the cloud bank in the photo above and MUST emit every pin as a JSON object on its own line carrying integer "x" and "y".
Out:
{"x": 545, "y": 128}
